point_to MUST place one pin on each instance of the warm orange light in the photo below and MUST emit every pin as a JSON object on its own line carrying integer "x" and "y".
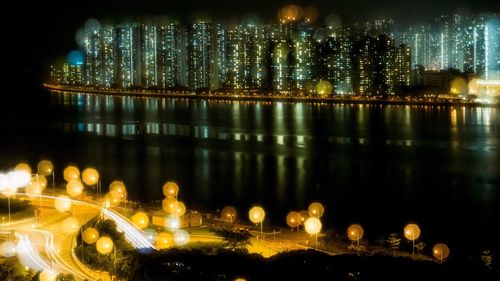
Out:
{"x": 412, "y": 232}
{"x": 141, "y": 220}
{"x": 45, "y": 168}
{"x": 256, "y": 214}
{"x": 71, "y": 173}
{"x": 70, "y": 225}
{"x": 74, "y": 188}
{"x": 170, "y": 189}
{"x": 104, "y": 245}
{"x": 23, "y": 167}
{"x": 179, "y": 209}
{"x": 181, "y": 237}
{"x": 316, "y": 210}
{"x": 355, "y": 232}
{"x": 293, "y": 219}
{"x": 33, "y": 189}
{"x": 441, "y": 251}
{"x": 63, "y": 203}
{"x": 304, "y": 215}
{"x": 312, "y": 225}
{"x": 458, "y": 86}
{"x": 228, "y": 214}
{"x": 164, "y": 240}
{"x": 117, "y": 189}
{"x": 324, "y": 87}
{"x": 90, "y": 235}
{"x": 169, "y": 204}
{"x": 90, "y": 176}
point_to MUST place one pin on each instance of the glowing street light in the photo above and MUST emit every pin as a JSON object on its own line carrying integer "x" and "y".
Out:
{"x": 90, "y": 235}
{"x": 179, "y": 209}
{"x": 74, "y": 188}
{"x": 141, "y": 220}
{"x": 13, "y": 180}
{"x": 23, "y": 167}
{"x": 257, "y": 215}
{"x": 71, "y": 173}
{"x": 169, "y": 205}
{"x": 293, "y": 219}
{"x": 104, "y": 245}
{"x": 70, "y": 225}
{"x": 229, "y": 213}
{"x": 355, "y": 233}
{"x": 412, "y": 232}
{"x": 46, "y": 168}
{"x": 90, "y": 177}
{"x": 181, "y": 237}
{"x": 304, "y": 215}
{"x": 440, "y": 252}
{"x": 48, "y": 275}
{"x": 170, "y": 189}
{"x": 63, "y": 203}
{"x": 7, "y": 249}
{"x": 316, "y": 210}
{"x": 313, "y": 226}
{"x": 164, "y": 240}
{"x": 117, "y": 189}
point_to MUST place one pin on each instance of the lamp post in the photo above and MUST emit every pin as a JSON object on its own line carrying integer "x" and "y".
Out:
{"x": 412, "y": 232}
{"x": 355, "y": 233}
{"x": 257, "y": 215}
{"x": 45, "y": 168}
{"x": 441, "y": 252}
{"x": 313, "y": 226}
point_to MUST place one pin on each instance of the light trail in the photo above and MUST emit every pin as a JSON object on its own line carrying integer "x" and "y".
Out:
{"x": 26, "y": 252}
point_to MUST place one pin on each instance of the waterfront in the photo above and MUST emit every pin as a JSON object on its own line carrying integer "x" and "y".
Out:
{"x": 381, "y": 166}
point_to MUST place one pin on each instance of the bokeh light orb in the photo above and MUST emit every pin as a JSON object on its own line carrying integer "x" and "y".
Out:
{"x": 412, "y": 231}
{"x": 63, "y": 203}
{"x": 90, "y": 235}
{"x": 17, "y": 179}
{"x": 293, "y": 219}
{"x": 90, "y": 176}
{"x": 23, "y": 167}
{"x": 441, "y": 251}
{"x": 164, "y": 240}
{"x": 4, "y": 181}
{"x": 304, "y": 215}
{"x": 40, "y": 180}
{"x": 228, "y": 214}
{"x": 312, "y": 225}
{"x": 45, "y": 168}
{"x": 47, "y": 275}
{"x": 140, "y": 219}
{"x": 104, "y": 245}
{"x": 70, "y": 225}
{"x": 71, "y": 173}
{"x": 179, "y": 209}
{"x": 33, "y": 189}
{"x": 324, "y": 87}
{"x": 151, "y": 234}
{"x": 355, "y": 232}
{"x": 169, "y": 204}
{"x": 75, "y": 57}
{"x": 316, "y": 210}
{"x": 8, "y": 249}
{"x": 458, "y": 86}
{"x": 117, "y": 189}
{"x": 74, "y": 188}
{"x": 256, "y": 214}
{"x": 170, "y": 189}
{"x": 181, "y": 237}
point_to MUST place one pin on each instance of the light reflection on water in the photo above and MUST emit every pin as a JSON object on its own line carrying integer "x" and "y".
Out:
{"x": 377, "y": 165}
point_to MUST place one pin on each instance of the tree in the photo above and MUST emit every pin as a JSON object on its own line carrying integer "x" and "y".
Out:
{"x": 235, "y": 239}
{"x": 487, "y": 258}
{"x": 65, "y": 277}
{"x": 394, "y": 242}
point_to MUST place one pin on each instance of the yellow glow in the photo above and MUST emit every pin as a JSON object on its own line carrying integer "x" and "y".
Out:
{"x": 473, "y": 87}
{"x": 48, "y": 275}
{"x": 63, "y": 203}
{"x": 74, "y": 188}
{"x": 313, "y": 225}
{"x": 441, "y": 251}
{"x": 90, "y": 176}
{"x": 355, "y": 232}
{"x": 117, "y": 189}
{"x": 41, "y": 180}
{"x": 33, "y": 189}
{"x": 290, "y": 13}
{"x": 164, "y": 240}
{"x": 458, "y": 86}
{"x": 304, "y": 215}
{"x": 181, "y": 237}
{"x": 70, "y": 225}
{"x": 169, "y": 205}
{"x": 23, "y": 167}
{"x": 324, "y": 87}
{"x": 256, "y": 214}
{"x": 90, "y": 235}
{"x": 71, "y": 173}
{"x": 228, "y": 214}
{"x": 170, "y": 189}
{"x": 179, "y": 209}
{"x": 104, "y": 245}
{"x": 7, "y": 249}
{"x": 316, "y": 210}
{"x": 45, "y": 168}
{"x": 141, "y": 220}
{"x": 112, "y": 200}
{"x": 412, "y": 231}
{"x": 293, "y": 219}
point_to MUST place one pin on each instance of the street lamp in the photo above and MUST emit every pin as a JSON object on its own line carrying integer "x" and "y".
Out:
{"x": 63, "y": 203}
{"x": 355, "y": 233}
{"x": 74, "y": 188}
{"x": 10, "y": 182}
{"x": 441, "y": 252}
{"x": 313, "y": 226}
{"x": 228, "y": 213}
{"x": 316, "y": 210}
{"x": 105, "y": 246}
{"x": 90, "y": 235}
{"x": 181, "y": 237}
{"x": 412, "y": 232}
{"x": 90, "y": 177}
{"x": 257, "y": 215}
{"x": 45, "y": 168}
{"x": 71, "y": 173}
{"x": 141, "y": 220}
{"x": 170, "y": 189}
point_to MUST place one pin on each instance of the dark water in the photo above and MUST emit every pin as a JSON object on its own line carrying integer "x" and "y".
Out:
{"x": 381, "y": 166}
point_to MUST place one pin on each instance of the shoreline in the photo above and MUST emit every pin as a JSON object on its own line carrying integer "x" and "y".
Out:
{"x": 261, "y": 98}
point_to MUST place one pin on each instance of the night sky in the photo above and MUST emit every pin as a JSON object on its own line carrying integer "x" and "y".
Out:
{"x": 43, "y": 31}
